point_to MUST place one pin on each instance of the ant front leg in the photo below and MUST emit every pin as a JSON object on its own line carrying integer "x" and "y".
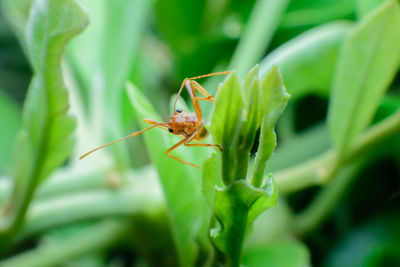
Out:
{"x": 196, "y": 86}
{"x": 178, "y": 159}
{"x": 193, "y": 137}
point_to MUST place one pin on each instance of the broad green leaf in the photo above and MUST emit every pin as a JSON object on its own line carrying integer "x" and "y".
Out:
{"x": 367, "y": 63}
{"x": 311, "y": 54}
{"x": 366, "y": 6}
{"x": 314, "y": 12}
{"x": 11, "y": 121}
{"x": 226, "y": 122}
{"x": 45, "y": 140}
{"x": 187, "y": 208}
{"x": 279, "y": 253}
{"x": 235, "y": 208}
{"x": 211, "y": 177}
{"x": 274, "y": 97}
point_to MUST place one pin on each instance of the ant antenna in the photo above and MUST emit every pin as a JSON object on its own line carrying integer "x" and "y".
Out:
{"x": 126, "y": 137}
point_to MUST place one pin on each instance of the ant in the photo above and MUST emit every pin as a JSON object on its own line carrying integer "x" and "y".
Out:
{"x": 190, "y": 126}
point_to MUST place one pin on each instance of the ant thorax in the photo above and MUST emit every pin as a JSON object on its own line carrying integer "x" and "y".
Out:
{"x": 183, "y": 123}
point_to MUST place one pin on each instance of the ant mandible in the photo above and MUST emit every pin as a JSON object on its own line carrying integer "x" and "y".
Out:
{"x": 190, "y": 126}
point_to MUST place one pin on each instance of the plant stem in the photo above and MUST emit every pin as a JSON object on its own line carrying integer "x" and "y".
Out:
{"x": 321, "y": 169}
{"x": 327, "y": 199}
{"x": 343, "y": 175}
{"x": 69, "y": 248}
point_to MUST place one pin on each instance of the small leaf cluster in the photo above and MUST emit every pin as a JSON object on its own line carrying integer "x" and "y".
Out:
{"x": 236, "y": 197}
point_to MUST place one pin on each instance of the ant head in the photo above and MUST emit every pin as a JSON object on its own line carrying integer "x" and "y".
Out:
{"x": 177, "y": 121}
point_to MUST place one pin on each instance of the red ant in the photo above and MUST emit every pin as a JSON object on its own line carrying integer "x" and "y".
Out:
{"x": 190, "y": 126}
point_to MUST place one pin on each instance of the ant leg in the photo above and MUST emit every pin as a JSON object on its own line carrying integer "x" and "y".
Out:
{"x": 208, "y": 145}
{"x": 211, "y": 74}
{"x": 195, "y": 78}
{"x": 195, "y": 102}
{"x": 192, "y": 137}
{"x": 177, "y": 145}
{"x": 207, "y": 97}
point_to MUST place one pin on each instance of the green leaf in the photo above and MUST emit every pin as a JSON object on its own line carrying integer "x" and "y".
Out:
{"x": 309, "y": 13}
{"x": 12, "y": 124}
{"x": 279, "y": 253}
{"x": 226, "y": 122}
{"x": 235, "y": 208}
{"x": 117, "y": 27}
{"x": 367, "y": 63}
{"x": 211, "y": 177}
{"x": 251, "y": 121}
{"x": 308, "y": 144}
{"x": 311, "y": 54}
{"x": 366, "y": 6}
{"x": 16, "y": 12}
{"x": 260, "y": 29}
{"x": 45, "y": 140}
{"x": 375, "y": 242}
{"x": 81, "y": 53}
{"x": 187, "y": 208}
{"x": 274, "y": 97}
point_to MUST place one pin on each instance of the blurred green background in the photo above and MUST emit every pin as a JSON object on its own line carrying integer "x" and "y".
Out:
{"x": 155, "y": 45}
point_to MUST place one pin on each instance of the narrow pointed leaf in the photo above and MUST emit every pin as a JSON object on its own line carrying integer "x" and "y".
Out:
{"x": 226, "y": 122}
{"x": 187, "y": 208}
{"x": 368, "y": 62}
{"x": 274, "y": 98}
{"x": 251, "y": 121}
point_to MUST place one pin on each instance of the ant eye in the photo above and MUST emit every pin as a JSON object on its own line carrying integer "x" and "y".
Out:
{"x": 179, "y": 110}
{"x": 170, "y": 130}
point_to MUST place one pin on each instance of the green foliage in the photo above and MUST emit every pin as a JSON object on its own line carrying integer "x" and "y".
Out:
{"x": 226, "y": 122}
{"x": 239, "y": 112}
{"x": 316, "y": 12}
{"x": 339, "y": 59}
{"x": 235, "y": 208}
{"x": 12, "y": 123}
{"x": 185, "y": 205}
{"x": 46, "y": 139}
{"x": 311, "y": 54}
{"x": 367, "y": 63}
{"x": 274, "y": 98}
{"x": 258, "y": 34}
{"x": 365, "y": 6}
{"x": 277, "y": 254}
